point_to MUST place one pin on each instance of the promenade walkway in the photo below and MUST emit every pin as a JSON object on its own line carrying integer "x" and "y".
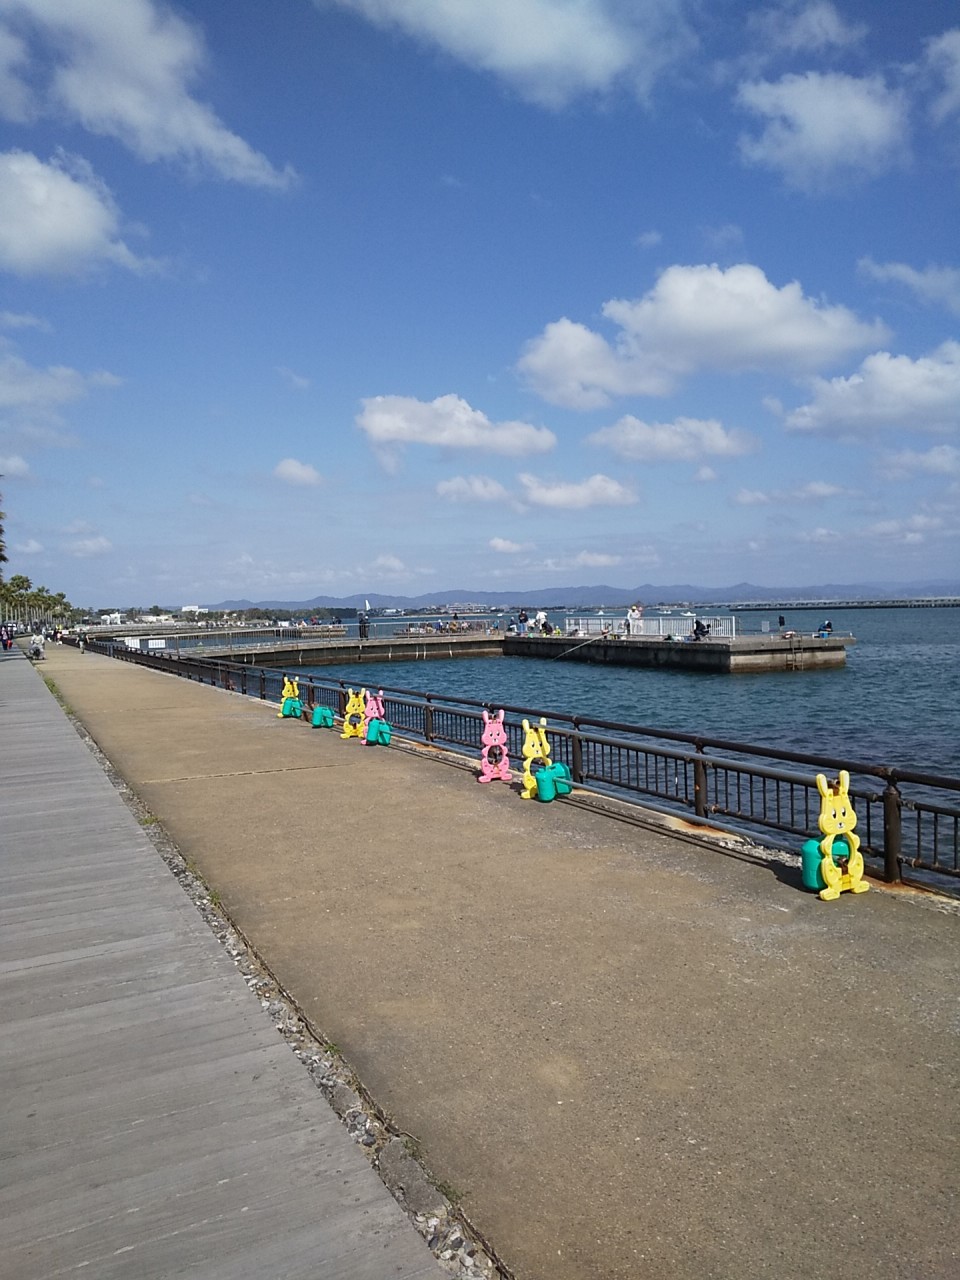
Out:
{"x": 152, "y": 1122}
{"x": 630, "y": 1054}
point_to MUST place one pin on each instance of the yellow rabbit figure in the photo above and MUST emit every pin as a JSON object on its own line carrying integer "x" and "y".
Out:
{"x": 536, "y": 748}
{"x": 289, "y": 695}
{"x": 354, "y": 715}
{"x": 838, "y": 819}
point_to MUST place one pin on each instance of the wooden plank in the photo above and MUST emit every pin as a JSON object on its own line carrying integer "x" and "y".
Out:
{"x": 154, "y": 1122}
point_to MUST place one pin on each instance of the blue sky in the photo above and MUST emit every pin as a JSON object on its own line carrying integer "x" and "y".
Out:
{"x": 336, "y": 296}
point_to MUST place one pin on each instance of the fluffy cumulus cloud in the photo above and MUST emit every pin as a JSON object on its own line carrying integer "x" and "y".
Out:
{"x": 28, "y": 392}
{"x": 550, "y": 51}
{"x": 472, "y": 489}
{"x": 910, "y": 530}
{"x": 943, "y": 60}
{"x": 887, "y": 391}
{"x": 941, "y": 460}
{"x": 290, "y": 471}
{"x": 84, "y": 548}
{"x": 683, "y": 440}
{"x": 57, "y": 218}
{"x": 937, "y": 285}
{"x": 821, "y": 126}
{"x": 695, "y": 317}
{"x": 596, "y": 491}
{"x": 123, "y": 69}
{"x": 448, "y": 423}
{"x": 504, "y": 547}
{"x": 804, "y": 28}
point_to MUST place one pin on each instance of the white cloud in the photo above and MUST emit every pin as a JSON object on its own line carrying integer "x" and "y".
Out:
{"x": 29, "y": 548}
{"x": 933, "y": 284}
{"x": 648, "y": 239}
{"x": 941, "y": 460}
{"x": 448, "y": 423}
{"x": 597, "y": 491}
{"x": 389, "y": 564}
{"x": 595, "y": 560}
{"x": 57, "y": 218}
{"x": 699, "y": 317}
{"x": 821, "y": 126}
{"x": 911, "y": 530}
{"x": 943, "y": 58}
{"x": 818, "y": 490}
{"x": 751, "y": 498}
{"x": 820, "y": 536}
{"x": 13, "y": 465}
{"x": 683, "y": 440}
{"x": 293, "y": 472}
{"x": 888, "y": 391}
{"x": 30, "y": 392}
{"x": 295, "y": 380}
{"x": 805, "y": 28}
{"x": 704, "y": 475}
{"x": 505, "y": 547}
{"x": 472, "y": 489}
{"x": 124, "y": 69}
{"x": 22, "y": 320}
{"x": 85, "y": 547}
{"x": 550, "y": 51}
{"x": 15, "y": 98}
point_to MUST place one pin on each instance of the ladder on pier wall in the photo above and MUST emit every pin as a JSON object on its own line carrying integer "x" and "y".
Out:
{"x": 795, "y": 654}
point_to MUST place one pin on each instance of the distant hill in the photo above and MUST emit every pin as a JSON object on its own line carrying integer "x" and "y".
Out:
{"x": 592, "y": 596}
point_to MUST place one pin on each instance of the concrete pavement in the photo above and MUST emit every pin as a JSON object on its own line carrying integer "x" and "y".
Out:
{"x": 631, "y": 1055}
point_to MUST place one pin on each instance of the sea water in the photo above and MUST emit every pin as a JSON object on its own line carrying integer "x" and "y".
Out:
{"x": 896, "y": 702}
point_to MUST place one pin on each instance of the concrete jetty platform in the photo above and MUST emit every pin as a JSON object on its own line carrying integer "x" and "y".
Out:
{"x": 628, "y": 1053}
{"x": 738, "y": 655}
{"x": 152, "y": 1122}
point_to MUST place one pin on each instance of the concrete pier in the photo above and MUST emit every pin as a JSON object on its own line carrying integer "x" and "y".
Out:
{"x": 719, "y": 656}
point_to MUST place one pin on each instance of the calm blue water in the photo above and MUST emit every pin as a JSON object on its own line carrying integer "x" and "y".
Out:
{"x": 896, "y": 702}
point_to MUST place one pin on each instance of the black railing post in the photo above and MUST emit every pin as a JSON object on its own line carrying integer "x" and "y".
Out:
{"x": 892, "y": 832}
{"x": 263, "y": 683}
{"x": 576, "y": 753}
{"x": 700, "y": 783}
{"x": 427, "y": 721}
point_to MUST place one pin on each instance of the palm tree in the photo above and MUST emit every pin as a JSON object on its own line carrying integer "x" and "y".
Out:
{"x": 18, "y": 589}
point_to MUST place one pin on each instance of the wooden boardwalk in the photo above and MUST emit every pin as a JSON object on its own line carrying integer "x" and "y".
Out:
{"x": 152, "y": 1122}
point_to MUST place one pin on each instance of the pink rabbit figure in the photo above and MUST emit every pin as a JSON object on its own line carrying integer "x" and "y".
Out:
{"x": 494, "y": 761}
{"x": 373, "y": 710}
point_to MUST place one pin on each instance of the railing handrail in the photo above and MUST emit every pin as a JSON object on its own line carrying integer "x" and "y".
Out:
{"x": 718, "y": 788}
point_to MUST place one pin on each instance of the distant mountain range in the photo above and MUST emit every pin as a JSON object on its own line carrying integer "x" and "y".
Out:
{"x": 586, "y": 597}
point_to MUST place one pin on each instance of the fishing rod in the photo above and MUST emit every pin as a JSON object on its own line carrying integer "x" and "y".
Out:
{"x": 557, "y": 656}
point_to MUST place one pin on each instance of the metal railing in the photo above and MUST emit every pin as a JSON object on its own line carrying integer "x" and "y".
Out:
{"x": 679, "y": 626}
{"x": 906, "y": 819}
